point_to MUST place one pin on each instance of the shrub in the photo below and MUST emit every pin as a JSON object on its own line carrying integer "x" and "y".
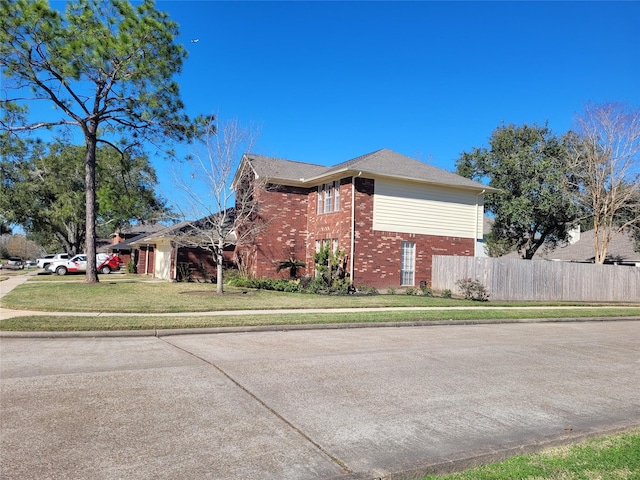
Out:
{"x": 132, "y": 267}
{"x": 473, "y": 290}
{"x": 446, "y": 293}
{"x": 184, "y": 273}
{"x": 411, "y": 291}
{"x": 367, "y": 290}
{"x": 426, "y": 289}
{"x": 391, "y": 290}
{"x": 318, "y": 285}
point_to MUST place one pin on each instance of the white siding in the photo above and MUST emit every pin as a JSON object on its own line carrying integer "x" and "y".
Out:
{"x": 163, "y": 261}
{"x": 426, "y": 209}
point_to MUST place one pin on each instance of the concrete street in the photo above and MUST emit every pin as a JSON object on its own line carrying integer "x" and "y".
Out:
{"x": 312, "y": 404}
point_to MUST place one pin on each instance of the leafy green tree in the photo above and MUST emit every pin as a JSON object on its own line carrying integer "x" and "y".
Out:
{"x": 44, "y": 193}
{"x": 106, "y": 67}
{"x": 5, "y": 228}
{"x": 532, "y": 207}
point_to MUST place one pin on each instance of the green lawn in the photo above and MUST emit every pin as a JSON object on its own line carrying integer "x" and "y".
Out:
{"x": 606, "y": 458}
{"x": 132, "y": 295}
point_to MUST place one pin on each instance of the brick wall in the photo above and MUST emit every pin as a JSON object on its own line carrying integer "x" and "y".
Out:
{"x": 377, "y": 253}
{"x": 144, "y": 266}
{"x": 200, "y": 261}
{"x": 284, "y": 211}
{"x": 329, "y": 226}
{"x": 293, "y": 226}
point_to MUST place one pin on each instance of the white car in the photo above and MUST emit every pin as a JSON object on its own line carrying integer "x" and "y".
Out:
{"x": 45, "y": 261}
{"x": 105, "y": 262}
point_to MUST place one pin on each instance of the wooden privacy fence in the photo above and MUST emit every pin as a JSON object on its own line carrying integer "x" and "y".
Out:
{"x": 509, "y": 279}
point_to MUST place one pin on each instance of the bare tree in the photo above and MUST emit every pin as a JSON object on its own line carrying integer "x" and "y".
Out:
{"x": 217, "y": 194}
{"x": 605, "y": 161}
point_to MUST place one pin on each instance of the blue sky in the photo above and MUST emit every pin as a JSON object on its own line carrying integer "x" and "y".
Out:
{"x": 329, "y": 81}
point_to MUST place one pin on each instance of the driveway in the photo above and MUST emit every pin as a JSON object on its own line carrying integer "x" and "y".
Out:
{"x": 325, "y": 404}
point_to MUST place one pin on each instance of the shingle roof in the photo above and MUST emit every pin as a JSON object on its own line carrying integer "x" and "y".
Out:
{"x": 184, "y": 229}
{"x": 383, "y": 162}
{"x": 277, "y": 169}
{"x": 620, "y": 250}
{"x": 393, "y": 164}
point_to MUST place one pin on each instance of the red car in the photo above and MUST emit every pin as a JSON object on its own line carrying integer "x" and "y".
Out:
{"x": 105, "y": 262}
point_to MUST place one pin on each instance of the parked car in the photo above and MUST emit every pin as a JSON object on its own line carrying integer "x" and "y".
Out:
{"x": 45, "y": 261}
{"x": 13, "y": 263}
{"x": 105, "y": 262}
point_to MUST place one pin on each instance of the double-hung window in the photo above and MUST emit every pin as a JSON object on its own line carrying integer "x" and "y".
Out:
{"x": 329, "y": 197}
{"x": 408, "y": 264}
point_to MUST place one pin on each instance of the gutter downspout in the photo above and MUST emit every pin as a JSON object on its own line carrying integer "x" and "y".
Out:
{"x": 475, "y": 249}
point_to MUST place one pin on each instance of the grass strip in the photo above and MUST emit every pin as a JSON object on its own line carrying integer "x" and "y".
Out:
{"x": 610, "y": 457}
{"x": 125, "y": 295}
{"x": 50, "y": 323}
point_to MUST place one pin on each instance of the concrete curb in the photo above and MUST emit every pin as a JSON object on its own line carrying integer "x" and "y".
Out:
{"x": 285, "y": 328}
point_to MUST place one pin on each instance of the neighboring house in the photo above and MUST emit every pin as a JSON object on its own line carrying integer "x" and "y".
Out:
{"x": 621, "y": 250}
{"x": 389, "y": 213}
{"x": 121, "y": 240}
{"x": 172, "y": 253}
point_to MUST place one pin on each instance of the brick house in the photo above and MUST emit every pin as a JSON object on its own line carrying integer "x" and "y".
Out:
{"x": 389, "y": 213}
{"x": 169, "y": 254}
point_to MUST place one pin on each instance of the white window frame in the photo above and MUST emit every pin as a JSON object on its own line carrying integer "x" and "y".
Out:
{"x": 408, "y": 264}
{"x": 328, "y": 197}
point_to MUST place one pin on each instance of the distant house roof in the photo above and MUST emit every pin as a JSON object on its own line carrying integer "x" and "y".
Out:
{"x": 185, "y": 230}
{"x": 385, "y": 163}
{"x": 620, "y": 251}
{"x": 140, "y": 228}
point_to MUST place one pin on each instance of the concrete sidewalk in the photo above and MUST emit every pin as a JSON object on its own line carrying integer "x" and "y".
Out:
{"x": 331, "y": 404}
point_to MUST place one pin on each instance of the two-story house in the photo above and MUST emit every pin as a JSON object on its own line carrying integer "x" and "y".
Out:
{"x": 389, "y": 213}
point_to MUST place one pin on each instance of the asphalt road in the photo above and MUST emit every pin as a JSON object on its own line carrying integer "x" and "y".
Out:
{"x": 325, "y": 404}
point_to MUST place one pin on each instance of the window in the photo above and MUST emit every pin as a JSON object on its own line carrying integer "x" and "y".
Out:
{"x": 408, "y": 262}
{"x": 329, "y": 197}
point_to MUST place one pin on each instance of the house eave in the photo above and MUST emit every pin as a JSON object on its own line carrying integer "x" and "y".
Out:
{"x": 337, "y": 174}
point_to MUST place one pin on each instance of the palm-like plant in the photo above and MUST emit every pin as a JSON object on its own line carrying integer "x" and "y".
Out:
{"x": 292, "y": 265}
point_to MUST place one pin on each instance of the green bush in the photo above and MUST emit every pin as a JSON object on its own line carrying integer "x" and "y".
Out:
{"x": 426, "y": 289}
{"x": 446, "y": 293}
{"x": 132, "y": 267}
{"x": 391, "y": 290}
{"x": 364, "y": 289}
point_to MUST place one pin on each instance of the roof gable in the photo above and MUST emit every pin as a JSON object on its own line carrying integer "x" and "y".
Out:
{"x": 277, "y": 169}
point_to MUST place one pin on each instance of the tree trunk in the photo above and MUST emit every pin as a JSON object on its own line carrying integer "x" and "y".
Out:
{"x": 219, "y": 279}
{"x": 90, "y": 186}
